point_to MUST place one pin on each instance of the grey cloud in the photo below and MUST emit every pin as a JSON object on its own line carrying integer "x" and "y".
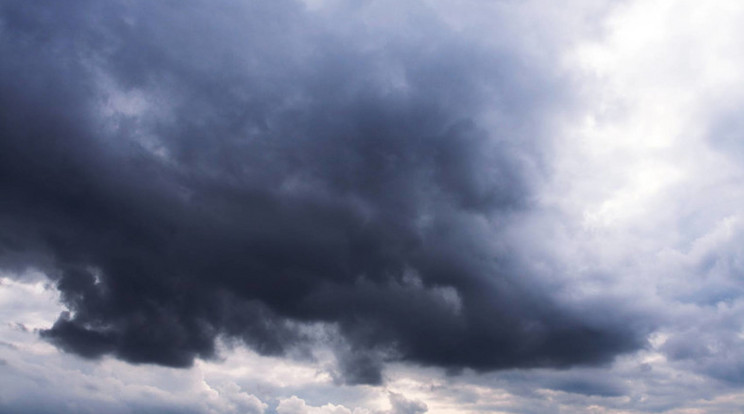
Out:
{"x": 710, "y": 343}
{"x": 402, "y": 405}
{"x": 702, "y": 332}
{"x": 598, "y": 384}
{"x": 187, "y": 171}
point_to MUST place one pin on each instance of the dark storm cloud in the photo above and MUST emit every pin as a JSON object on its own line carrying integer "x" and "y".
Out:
{"x": 189, "y": 170}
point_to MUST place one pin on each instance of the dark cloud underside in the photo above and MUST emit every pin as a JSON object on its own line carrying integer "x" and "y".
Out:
{"x": 185, "y": 170}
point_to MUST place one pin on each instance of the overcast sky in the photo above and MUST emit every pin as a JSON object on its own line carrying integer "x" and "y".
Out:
{"x": 371, "y": 207}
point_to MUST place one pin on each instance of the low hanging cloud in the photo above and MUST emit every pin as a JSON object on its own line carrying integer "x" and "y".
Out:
{"x": 240, "y": 169}
{"x": 399, "y": 404}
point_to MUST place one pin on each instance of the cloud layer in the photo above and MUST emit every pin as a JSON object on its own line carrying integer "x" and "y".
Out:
{"x": 198, "y": 170}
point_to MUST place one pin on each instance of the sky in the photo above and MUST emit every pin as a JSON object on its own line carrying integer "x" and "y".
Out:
{"x": 371, "y": 207}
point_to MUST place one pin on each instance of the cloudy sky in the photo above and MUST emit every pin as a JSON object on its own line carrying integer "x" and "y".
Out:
{"x": 371, "y": 207}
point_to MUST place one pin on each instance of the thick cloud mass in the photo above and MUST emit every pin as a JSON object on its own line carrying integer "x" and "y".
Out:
{"x": 195, "y": 169}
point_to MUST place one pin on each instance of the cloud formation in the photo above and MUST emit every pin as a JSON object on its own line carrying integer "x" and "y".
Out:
{"x": 242, "y": 169}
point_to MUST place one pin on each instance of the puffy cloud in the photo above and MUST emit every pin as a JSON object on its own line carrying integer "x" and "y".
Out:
{"x": 451, "y": 198}
{"x": 295, "y": 405}
{"x": 184, "y": 172}
{"x": 36, "y": 378}
{"x": 399, "y": 404}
